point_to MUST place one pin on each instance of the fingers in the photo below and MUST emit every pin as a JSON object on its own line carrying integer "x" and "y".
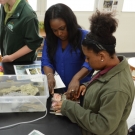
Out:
{"x": 58, "y": 111}
{"x": 51, "y": 89}
{"x": 79, "y": 92}
{"x": 71, "y": 94}
{"x": 83, "y": 92}
{"x": 75, "y": 94}
{"x": 51, "y": 84}
{"x": 67, "y": 95}
{"x": 57, "y": 106}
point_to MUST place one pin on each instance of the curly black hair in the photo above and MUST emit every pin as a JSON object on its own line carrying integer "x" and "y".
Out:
{"x": 102, "y": 27}
{"x": 63, "y": 12}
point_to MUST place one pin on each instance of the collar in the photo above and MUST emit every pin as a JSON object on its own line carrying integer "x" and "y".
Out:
{"x": 19, "y": 9}
{"x": 115, "y": 70}
{"x": 102, "y": 72}
{"x": 6, "y": 7}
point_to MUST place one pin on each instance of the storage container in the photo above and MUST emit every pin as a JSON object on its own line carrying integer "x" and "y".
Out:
{"x": 24, "y": 93}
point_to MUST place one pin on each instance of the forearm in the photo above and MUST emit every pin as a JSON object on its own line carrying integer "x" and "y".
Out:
{"x": 48, "y": 70}
{"x": 21, "y": 52}
{"x": 50, "y": 78}
{"x": 81, "y": 74}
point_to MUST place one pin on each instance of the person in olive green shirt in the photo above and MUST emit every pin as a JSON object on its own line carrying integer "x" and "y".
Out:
{"x": 19, "y": 36}
{"x": 109, "y": 95}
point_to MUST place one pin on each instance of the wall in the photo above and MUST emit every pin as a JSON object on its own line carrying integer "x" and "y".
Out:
{"x": 125, "y": 33}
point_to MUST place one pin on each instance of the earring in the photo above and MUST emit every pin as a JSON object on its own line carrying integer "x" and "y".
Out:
{"x": 102, "y": 60}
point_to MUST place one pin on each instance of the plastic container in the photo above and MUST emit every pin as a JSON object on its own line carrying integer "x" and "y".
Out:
{"x": 24, "y": 93}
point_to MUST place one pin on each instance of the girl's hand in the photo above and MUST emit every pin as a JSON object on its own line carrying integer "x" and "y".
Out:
{"x": 57, "y": 106}
{"x": 81, "y": 90}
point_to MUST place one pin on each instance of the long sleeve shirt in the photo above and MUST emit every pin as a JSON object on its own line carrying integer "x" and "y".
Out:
{"x": 67, "y": 63}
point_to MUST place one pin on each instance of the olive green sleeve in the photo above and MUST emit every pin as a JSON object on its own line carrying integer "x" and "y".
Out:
{"x": 105, "y": 121}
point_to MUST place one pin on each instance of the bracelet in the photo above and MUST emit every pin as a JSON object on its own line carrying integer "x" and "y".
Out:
{"x": 49, "y": 74}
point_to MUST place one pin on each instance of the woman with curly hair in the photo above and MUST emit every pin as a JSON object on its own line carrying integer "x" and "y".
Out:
{"x": 62, "y": 50}
{"x": 109, "y": 95}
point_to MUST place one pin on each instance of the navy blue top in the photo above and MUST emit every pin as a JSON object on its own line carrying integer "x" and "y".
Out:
{"x": 66, "y": 64}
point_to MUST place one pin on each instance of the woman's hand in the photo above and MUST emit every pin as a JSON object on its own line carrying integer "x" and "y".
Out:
{"x": 51, "y": 83}
{"x": 57, "y": 106}
{"x": 7, "y": 58}
{"x": 73, "y": 95}
{"x": 73, "y": 89}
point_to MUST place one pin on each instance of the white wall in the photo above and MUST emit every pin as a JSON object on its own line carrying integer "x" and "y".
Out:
{"x": 125, "y": 33}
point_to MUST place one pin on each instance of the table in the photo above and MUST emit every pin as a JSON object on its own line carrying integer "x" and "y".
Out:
{"x": 50, "y": 125}
{"x": 131, "y": 62}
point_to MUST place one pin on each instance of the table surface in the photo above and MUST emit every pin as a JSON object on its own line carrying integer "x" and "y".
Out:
{"x": 50, "y": 125}
{"x": 131, "y": 62}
